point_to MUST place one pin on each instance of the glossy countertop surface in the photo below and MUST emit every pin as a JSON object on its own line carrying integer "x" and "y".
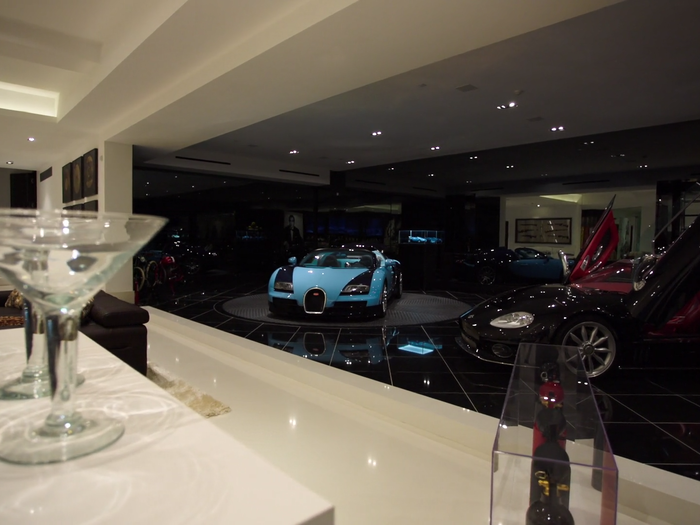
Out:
{"x": 170, "y": 466}
{"x": 380, "y": 454}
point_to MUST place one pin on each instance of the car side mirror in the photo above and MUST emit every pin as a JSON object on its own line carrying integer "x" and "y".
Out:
{"x": 292, "y": 261}
{"x": 640, "y": 270}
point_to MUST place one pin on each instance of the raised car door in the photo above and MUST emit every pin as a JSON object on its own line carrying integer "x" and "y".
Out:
{"x": 667, "y": 291}
{"x": 601, "y": 243}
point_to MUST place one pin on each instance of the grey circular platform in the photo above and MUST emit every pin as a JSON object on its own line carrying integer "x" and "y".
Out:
{"x": 411, "y": 309}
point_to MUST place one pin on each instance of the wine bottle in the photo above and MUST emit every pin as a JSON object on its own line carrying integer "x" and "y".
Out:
{"x": 551, "y": 459}
{"x": 547, "y": 510}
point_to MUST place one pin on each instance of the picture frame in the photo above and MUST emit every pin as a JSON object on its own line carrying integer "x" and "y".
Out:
{"x": 77, "y": 178}
{"x": 90, "y": 173}
{"x": 67, "y": 183}
{"x": 549, "y": 230}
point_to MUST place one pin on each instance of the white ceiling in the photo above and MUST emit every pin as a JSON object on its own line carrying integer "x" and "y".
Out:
{"x": 246, "y": 81}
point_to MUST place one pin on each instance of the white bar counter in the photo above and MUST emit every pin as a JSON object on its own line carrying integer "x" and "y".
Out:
{"x": 381, "y": 455}
{"x": 171, "y": 466}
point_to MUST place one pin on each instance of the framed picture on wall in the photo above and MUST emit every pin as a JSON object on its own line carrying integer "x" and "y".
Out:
{"x": 67, "y": 185}
{"x": 555, "y": 230}
{"x": 90, "y": 173}
{"x": 77, "y": 178}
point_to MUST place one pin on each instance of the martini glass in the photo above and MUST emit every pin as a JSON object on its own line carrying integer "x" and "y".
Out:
{"x": 33, "y": 382}
{"x": 58, "y": 260}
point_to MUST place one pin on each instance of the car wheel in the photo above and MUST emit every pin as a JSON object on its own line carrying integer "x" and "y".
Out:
{"x": 383, "y": 301}
{"x": 597, "y": 342}
{"x": 398, "y": 289}
{"x": 486, "y": 275}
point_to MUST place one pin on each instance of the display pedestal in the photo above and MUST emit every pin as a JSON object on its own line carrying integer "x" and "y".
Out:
{"x": 552, "y": 462}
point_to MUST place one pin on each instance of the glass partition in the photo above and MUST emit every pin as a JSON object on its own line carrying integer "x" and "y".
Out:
{"x": 552, "y": 462}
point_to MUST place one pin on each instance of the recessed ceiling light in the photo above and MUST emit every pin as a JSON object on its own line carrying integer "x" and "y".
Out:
{"x": 350, "y": 162}
{"x": 557, "y": 128}
{"x": 510, "y": 105}
{"x": 435, "y": 148}
{"x": 9, "y": 162}
{"x": 31, "y": 139}
{"x": 293, "y": 152}
{"x": 376, "y": 133}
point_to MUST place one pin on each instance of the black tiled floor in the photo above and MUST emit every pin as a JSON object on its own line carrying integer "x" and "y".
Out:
{"x": 651, "y": 416}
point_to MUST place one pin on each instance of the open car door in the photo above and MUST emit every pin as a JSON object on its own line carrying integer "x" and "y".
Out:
{"x": 595, "y": 252}
{"x": 670, "y": 289}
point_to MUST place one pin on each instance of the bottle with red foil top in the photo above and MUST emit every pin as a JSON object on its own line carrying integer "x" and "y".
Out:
{"x": 550, "y": 424}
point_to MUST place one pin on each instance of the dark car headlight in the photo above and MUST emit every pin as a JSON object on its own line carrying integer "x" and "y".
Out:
{"x": 356, "y": 288}
{"x": 359, "y": 285}
{"x": 513, "y": 320}
{"x": 284, "y": 286}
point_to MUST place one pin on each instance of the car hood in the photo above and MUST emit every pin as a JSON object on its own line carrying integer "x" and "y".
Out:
{"x": 550, "y": 299}
{"x": 326, "y": 278}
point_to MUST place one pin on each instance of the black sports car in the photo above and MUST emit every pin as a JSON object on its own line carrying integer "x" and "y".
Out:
{"x": 609, "y": 327}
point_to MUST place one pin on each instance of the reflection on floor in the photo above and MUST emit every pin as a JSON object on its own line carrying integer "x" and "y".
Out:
{"x": 652, "y": 416}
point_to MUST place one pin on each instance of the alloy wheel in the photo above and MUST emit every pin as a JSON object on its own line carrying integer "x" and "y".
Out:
{"x": 486, "y": 275}
{"x": 597, "y": 344}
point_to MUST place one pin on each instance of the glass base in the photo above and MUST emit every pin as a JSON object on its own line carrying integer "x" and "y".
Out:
{"x": 30, "y": 388}
{"x": 29, "y": 442}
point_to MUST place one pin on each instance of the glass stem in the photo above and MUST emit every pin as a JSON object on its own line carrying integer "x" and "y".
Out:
{"x": 62, "y": 331}
{"x": 35, "y": 336}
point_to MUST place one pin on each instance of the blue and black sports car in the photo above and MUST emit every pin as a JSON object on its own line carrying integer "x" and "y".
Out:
{"x": 347, "y": 281}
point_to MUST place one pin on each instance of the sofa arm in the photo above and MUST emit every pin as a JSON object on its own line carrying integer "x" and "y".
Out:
{"x": 110, "y": 312}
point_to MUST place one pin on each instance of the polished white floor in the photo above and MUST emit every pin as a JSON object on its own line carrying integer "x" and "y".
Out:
{"x": 379, "y": 454}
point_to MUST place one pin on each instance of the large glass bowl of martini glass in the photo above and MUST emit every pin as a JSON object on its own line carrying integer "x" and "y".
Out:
{"x": 58, "y": 260}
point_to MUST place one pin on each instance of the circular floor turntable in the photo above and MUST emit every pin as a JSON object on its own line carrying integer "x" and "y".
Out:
{"x": 410, "y": 309}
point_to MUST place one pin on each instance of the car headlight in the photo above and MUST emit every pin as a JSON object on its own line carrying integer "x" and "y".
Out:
{"x": 284, "y": 286}
{"x": 356, "y": 288}
{"x": 513, "y": 320}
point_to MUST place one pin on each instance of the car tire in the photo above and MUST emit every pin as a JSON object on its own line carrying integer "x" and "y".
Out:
{"x": 398, "y": 288}
{"x": 596, "y": 339}
{"x": 486, "y": 275}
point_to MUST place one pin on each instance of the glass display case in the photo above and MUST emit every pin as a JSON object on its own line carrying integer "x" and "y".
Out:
{"x": 552, "y": 462}
{"x": 421, "y": 236}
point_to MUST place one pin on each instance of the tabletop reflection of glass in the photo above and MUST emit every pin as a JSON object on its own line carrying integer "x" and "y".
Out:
{"x": 58, "y": 260}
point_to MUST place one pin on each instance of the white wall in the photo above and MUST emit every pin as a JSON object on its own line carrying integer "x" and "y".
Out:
{"x": 526, "y": 207}
{"x": 4, "y": 190}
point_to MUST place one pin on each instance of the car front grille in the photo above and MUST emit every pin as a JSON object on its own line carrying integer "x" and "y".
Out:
{"x": 315, "y": 301}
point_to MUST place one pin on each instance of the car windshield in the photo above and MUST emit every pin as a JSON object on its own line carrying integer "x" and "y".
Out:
{"x": 333, "y": 258}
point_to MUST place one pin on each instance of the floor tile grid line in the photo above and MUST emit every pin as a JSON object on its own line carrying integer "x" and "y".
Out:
{"x": 670, "y": 391}
{"x": 247, "y": 336}
{"x": 335, "y": 347}
{"x": 448, "y": 367}
{"x": 292, "y": 336}
{"x": 654, "y": 424}
{"x": 385, "y": 344}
